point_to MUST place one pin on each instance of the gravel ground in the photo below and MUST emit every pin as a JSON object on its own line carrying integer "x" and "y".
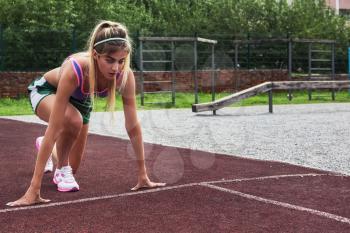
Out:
{"x": 313, "y": 135}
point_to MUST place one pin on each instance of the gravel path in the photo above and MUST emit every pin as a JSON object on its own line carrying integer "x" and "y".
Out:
{"x": 313, "y": 135}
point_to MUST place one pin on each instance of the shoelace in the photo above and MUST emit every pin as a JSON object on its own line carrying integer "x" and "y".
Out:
{"x": 68, "y": 174}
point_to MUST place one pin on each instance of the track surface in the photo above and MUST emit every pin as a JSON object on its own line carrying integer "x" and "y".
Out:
{"x": 206, "y": 192}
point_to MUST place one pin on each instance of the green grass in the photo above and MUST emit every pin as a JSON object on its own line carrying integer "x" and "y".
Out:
{"x": 9, "y": 107}
{"x": 21, "y": 106}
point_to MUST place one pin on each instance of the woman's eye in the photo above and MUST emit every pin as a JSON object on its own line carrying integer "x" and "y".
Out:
{"x": 121, "y": 62}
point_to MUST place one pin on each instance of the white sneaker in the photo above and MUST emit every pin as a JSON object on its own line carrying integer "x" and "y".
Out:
{"x": 65, "y": 180}
{"x": 49, "y": 163}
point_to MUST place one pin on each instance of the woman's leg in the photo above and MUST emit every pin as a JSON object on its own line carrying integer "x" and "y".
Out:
{"x": 71, "y": 130}
{"x": 77, "y": 151}
{"x": 43, "y": 111}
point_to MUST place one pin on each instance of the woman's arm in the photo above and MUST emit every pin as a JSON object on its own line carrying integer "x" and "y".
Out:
{"x": 133, "y": 128}
{"x": 67, "y": 84}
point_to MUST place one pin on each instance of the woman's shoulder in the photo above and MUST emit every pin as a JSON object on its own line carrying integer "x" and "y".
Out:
{"x": 82, "y": 58}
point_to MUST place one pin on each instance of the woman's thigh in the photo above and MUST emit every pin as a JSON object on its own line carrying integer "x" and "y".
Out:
{"x": 72, "y": 115}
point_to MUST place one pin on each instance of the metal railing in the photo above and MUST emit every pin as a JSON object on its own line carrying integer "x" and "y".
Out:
{"x": 171, "y": 60}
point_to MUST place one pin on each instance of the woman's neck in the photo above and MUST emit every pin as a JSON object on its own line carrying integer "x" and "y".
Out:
{"x": 101, "y": 83}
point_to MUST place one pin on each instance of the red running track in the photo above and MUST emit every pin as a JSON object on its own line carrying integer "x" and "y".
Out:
{"x": 206, "y": 192}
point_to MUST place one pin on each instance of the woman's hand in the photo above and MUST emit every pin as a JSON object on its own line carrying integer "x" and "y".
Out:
{"x": 31, "y": 197}
{"x": 147, "y": 183}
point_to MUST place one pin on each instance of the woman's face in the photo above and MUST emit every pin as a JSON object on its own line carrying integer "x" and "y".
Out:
{"x": 109, "y": 65}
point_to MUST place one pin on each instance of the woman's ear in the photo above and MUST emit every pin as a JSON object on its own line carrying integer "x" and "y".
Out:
{"x": 95, "y": 54}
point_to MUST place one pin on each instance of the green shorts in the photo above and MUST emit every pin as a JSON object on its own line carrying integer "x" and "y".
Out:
{"x": 40, "y": 88}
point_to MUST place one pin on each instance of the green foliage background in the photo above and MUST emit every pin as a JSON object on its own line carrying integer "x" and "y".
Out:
{"x": 38, "y": 34}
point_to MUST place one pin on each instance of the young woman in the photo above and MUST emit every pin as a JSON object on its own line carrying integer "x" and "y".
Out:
{"x": 63, "y": 97}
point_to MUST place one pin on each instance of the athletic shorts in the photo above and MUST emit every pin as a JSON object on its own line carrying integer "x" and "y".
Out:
{"x": 40, "y": 88}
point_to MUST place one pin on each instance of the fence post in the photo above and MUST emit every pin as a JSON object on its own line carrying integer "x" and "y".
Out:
{"x": 349, "y": 65}
{"x": 136, "y": 54}
{"x": 290, "y": 64}
{"x": 309, "y": 65}
{"x": 173, "y": 78}
{"x": 248, "y": 51}
{"x": 2, "y": 53}
{"x": 195, "y": 67}
{"x": 333, "y": 68}
{"x": 142, "y": 95}
{"x": 74, "y": 40}
{"x": 213, "y": 75}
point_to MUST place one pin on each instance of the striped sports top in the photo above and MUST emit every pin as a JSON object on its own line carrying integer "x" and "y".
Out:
{"x": 79, "y": 93}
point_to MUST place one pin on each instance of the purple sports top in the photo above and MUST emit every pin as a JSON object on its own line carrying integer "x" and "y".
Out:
{"x": 79, "y": 93}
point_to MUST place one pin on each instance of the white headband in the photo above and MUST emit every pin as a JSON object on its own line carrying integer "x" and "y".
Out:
{"x": 110, "y": 39}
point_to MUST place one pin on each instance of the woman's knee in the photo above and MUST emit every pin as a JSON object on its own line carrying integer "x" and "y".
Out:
{"x": 73, "y": 124}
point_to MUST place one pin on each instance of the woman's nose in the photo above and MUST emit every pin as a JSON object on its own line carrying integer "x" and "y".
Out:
{"x": 115, "y": 66}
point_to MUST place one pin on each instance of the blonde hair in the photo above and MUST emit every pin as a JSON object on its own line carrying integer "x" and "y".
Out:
{"x": 105, "y": 30}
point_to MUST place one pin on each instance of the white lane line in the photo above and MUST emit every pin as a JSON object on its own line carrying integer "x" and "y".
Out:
{"x": 282, "y": 204}
{"x": 267, "y": 177}
{"x": 96, "y": 198}
{"x": 148, "y": 191}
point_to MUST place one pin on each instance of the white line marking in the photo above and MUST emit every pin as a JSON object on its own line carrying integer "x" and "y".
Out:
{"x": 283, "y": 204}
{"x": 148, "y": 191}
{"x": 267, "y": 177}
{"x": 96, "y": 198}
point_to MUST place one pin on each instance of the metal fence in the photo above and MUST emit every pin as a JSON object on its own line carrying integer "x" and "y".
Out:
{"x": 26, "y": 50}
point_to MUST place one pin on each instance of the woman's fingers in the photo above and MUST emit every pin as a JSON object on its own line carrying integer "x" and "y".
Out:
{"x": 25, "y": 202}
{"x": 148, "y": 184}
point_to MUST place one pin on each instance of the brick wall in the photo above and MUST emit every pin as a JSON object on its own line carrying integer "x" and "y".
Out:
{"x": 14, "y": 84}
{"x": 343, "y": 4}
{"x": 226, "y": 80}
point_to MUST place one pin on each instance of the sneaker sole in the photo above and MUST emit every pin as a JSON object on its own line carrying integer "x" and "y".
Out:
{"x": 68, "y": 190}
